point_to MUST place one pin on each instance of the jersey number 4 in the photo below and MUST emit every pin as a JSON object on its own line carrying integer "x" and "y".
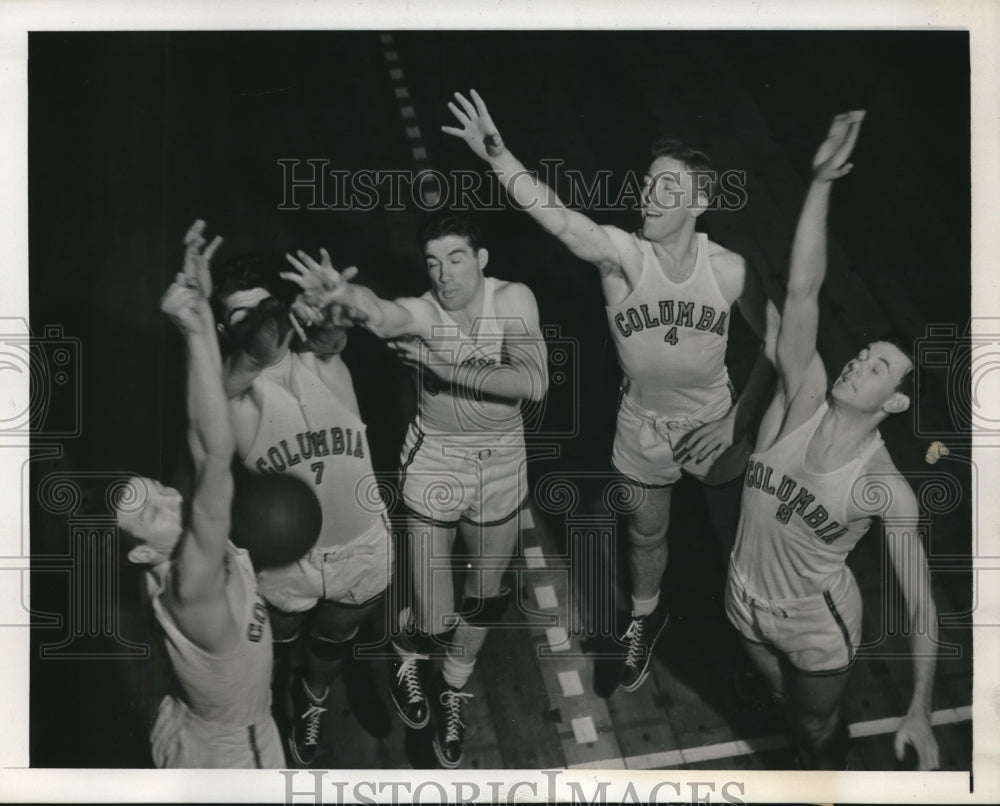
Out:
{"x": 671, "y": 336}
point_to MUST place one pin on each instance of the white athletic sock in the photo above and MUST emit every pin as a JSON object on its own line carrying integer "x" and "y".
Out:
{"x": 456, "y": 672}
{"x": 405, "y": 620}
{"x": 643, "y": 607}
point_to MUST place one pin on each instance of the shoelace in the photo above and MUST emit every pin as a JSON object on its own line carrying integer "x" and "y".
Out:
{"x": 452, "y": 701}
{"x": 312, "y": 719}
{"x": 634, "y": 634}
{"x": 407, "y": 675}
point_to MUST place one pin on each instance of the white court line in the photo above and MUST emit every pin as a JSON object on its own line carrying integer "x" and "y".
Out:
{"x": 545, "y": 595}
{"x": 570, "y": 683}
{"x": 609, "y": 764}
{"x": 946, "y": 716}
{"x": 746, "y": 747}
{"x": 533, "y": 557}
{"x": 557, "y": 639}
{"x": 583, "y": 730}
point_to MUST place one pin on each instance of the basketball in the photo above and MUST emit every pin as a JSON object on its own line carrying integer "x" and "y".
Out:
{"x": 276, "y": 518}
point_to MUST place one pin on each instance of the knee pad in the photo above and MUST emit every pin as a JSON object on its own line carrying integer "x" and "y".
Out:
{"x": 484, "y": 612}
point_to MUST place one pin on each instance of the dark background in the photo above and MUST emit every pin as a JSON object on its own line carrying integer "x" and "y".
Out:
{"x": 134, "y": 135}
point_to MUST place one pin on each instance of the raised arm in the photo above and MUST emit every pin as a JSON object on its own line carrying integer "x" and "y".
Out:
{"x": 197, "y": 274}
{"x": 585, "y": 239}
{"x": 323, "y": 286}
{"x": 796, "y": 344}
{"x": 196, "y": 594}
{"x": 909, "y": 562}
{"x": 761, "y": 314}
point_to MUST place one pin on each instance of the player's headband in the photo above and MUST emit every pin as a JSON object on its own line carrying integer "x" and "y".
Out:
{"x": 250, "y": 298}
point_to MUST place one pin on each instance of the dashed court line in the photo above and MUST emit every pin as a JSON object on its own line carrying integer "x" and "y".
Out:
{"x": 430, "y": 193}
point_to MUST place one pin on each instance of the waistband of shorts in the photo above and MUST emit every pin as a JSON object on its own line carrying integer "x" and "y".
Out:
{"x": 782, "y": 607}
{"x": 379, "y": 530}
{"x": 472, "y": 445}
{"x": 686, "y": 421}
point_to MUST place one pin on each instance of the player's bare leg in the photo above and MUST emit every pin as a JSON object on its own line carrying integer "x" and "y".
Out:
{"x": 483, "y": 604}
{"x": 431, "y": 613}
{"x": 647, "y": 536}
{"x": 816, "y": 702}
{"x": 767, "y": 662}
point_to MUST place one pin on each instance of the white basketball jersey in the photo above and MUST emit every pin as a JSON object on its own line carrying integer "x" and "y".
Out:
{"x": 673, "y": 336}
{"x": 308, "y": 431}
{"x": 794, "y": 536}
{"x": 233, "y": 690}
{"x": 457, "y": 412}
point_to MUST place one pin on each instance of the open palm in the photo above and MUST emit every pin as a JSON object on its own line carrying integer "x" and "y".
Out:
{"x": 831, "y": 158}
{"x": 478, "y": 128}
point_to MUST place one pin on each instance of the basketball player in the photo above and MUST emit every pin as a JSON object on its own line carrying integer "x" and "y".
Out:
{"x": 203, "y": 590}
{"x": 480, "y": 351}
{"x": 294, "y": 411}
{"x": 668, "y": 292}
{"x": 818, "y": 473}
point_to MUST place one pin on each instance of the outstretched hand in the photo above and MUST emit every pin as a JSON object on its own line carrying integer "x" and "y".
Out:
{"x": 197, "y": 261}
{"x": 322, "y": 287}
{"x": 478, "y": 128}
{"x": 915, "y": 730}
{"x": 830, "y": 161}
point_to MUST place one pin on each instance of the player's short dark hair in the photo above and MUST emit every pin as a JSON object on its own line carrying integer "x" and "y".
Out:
{"x": 251, "y": 270}
{"x": 695, "y": 160}
{"x": 905, "y": 384}
{"x": 452, "y": 224}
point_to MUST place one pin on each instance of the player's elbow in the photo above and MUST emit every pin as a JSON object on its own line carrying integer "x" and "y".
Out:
{"x": 802, "y": 291}
{"x": 552, "y": 218}
{"x": 220, "y": 444}
{"x": 787, "y": 359}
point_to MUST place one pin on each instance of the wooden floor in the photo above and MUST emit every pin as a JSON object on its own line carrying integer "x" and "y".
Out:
{"x": 702, "y": 707}
{"x": 202, "y": 137}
